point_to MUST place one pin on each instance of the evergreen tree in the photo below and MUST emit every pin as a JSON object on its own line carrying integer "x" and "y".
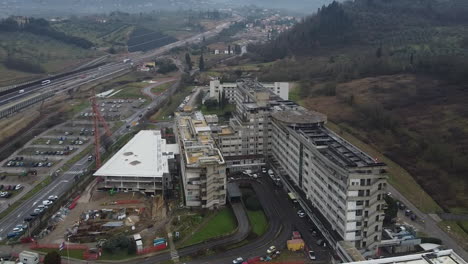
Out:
{"x": 188, "y": 60}
{"x": 52, "y": 257}
{"x": 201, "y": 63}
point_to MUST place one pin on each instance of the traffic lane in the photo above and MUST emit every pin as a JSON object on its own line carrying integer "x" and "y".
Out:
{"x": 58, "y": 187}
{"x": 303, "y": 225}
{"x": 279, "y": 230}
{"x": 4, "y": 99}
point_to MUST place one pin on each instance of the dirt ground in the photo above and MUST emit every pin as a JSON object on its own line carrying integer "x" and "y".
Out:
{"x": 150, "y": 224}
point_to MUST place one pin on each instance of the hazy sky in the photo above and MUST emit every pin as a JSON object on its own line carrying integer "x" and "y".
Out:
{"x": 67, "y": 7}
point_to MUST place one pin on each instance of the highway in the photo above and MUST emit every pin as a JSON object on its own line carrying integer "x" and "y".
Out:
{"x": 92, "y": 75}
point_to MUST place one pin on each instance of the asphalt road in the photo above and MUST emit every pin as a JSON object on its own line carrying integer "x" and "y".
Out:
{"x": 92, "y": 75}
{"x": 430, "y": 225}
{"x": 282, "y": 218}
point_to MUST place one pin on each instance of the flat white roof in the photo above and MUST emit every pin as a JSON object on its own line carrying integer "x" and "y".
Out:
{"x": 145, "y": 155}
{"x": 440, "y": 257}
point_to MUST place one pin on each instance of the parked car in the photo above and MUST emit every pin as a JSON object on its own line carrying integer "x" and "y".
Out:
{"x": 47, "y": 202}
{"x": 18, "y": 187}
{"x": 271, "y": 249}
{"x": 312, "y": 255}
{"x": 301, "y": 214}
{"x": 53, "y": 197}
{"x": 238, "y": 260}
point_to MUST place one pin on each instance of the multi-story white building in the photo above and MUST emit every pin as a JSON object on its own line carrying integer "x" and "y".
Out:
{"x": 343, "y": 185}
{"x": 217, "y": 88}
{"x": 202, "y": 165}
{"x": 143, "y": 165}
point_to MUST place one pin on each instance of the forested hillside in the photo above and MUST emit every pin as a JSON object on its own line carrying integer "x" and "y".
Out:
{"x": 394, "y": 74}
{"x": 427, "y": 36}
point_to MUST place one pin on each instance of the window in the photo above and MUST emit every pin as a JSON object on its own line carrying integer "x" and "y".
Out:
{"x": 368, "y": 181}
{"x": 378, "y": 197}
{"x": 358, "y": 223}
{"x": 358, "y": 212}
{"x": 360, "y": 203}
{"x": 363, "y": 182}
{"x": 376, "y": 238}
{"x": 377, "y": 228}
{"x": 358, "y": 232}
{"x": 366, "y": 213}
{"x": 378, "y": 207}
{"x": 364, "y": 244}
{"x": 367, "y": 192}
{"x": 365, "y": 223}
{"x": 377, "y": 218}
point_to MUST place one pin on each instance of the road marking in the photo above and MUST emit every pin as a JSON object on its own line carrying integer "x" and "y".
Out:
{"x": 35, "y": 203}
{"x": 19, "y": 216}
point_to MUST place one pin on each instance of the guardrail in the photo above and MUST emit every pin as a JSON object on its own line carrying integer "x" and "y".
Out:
{"x": 21, "y": 105}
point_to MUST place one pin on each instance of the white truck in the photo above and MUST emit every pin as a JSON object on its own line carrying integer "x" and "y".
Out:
{"x": 28, "y": 257}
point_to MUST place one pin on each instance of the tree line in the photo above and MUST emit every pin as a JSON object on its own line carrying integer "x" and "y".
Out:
{"x": 41, "y": 27}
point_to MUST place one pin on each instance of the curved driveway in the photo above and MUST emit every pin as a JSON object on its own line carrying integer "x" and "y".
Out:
{"x": 278, "y": 211}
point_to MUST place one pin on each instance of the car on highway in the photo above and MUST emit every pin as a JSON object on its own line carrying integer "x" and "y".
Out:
{"x": 271, "y": 249}
{"x": 47, "y": 202}
{"x": 21, "y": 91}
{"x": 238, "y": 260}
{"x": 312, "y": 255}
{"x": 53, "y": 198}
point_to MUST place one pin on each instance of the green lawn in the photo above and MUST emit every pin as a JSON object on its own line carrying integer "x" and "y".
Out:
{"x": 161, "y": 88}
{"x": 169, "y": 108}
{"x": 223, "y": 223}
{"x": 73, "y": 253}
{"x": 258, "y": 221}
{"x": 456, "y": 231}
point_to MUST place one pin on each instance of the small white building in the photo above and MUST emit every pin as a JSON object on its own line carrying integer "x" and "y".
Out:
{"x": 143, "y": 164}
{"x": 28, "y": 257}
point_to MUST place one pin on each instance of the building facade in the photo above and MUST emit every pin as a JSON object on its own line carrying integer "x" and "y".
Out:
{"x": 217, "y": 89}
{"x": 202, "y": 164}
{"x": 344, "y": 185}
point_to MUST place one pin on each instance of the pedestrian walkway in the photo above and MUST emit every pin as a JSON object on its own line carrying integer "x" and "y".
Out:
{"x": 173, "y": 250}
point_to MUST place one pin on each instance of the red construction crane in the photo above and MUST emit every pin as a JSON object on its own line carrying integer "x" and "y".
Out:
{"x": 98, "y": 119}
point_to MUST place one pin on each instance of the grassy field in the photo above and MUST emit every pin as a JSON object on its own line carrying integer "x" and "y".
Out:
{"x": 258, "y": 221}
{"x": 130, "y": 85}
{"x": 161, "y": 88}
{"x": 456, "y": 230}
{"x": 72, "y": 253}
{"x": 169, "y": 109}
{"x": 223, "y": 223}
{"x": 52, "y": 55}
{"x": 399, "y": 177}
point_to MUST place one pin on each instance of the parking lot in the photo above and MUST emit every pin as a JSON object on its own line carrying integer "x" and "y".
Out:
{"x": 114, "y": 110}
